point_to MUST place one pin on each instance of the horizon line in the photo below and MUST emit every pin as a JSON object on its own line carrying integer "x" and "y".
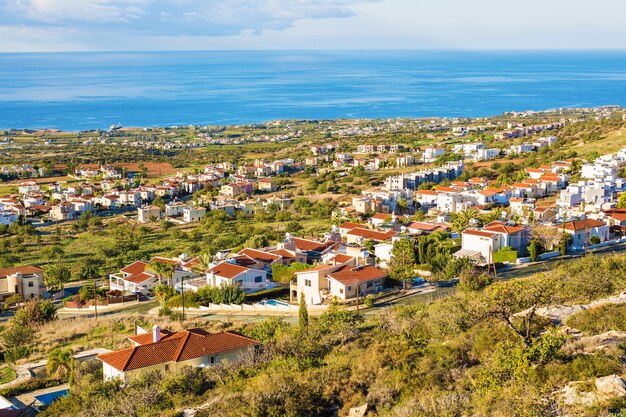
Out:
{"x": 457, "y": 50}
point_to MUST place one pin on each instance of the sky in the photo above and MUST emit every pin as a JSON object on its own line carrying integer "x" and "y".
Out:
{"x": 104, "y": 25}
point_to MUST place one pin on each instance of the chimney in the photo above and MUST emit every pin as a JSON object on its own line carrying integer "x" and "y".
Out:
{"x": 156, "y": 334}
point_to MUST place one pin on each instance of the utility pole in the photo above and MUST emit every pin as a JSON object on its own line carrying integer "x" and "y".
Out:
{"x": 586, "y": 239}
{"x": 357, "y": 297}
{"x": 95, "y": 299}
{"x": 182, "y": 293}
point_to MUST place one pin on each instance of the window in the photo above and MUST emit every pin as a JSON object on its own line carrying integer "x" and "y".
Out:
{"x": 369, "y": 284}
{"x": 212, "y": 359}
{"x": 31, "y": 284}
{"x": 258, "y": 279}
{"x": 307, "y": 282}
{"x": 341, "y": 290}
{"x": 167, "y": 367}
{"x": 350, "y": 288}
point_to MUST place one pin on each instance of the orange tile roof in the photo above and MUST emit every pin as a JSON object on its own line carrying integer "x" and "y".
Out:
{"x": 502, "y": 228}
{"x": 381, "y": 216}
{"x": 576, "y": 225}
{"x": 228, "y": 270}
{"x": 24, "y": 270}
{"x": 350, "y": 274}
{"x": 147, "y": 338}
{"x": 372, "y": 234}
{"x": 428, "y": 227}
{"x": 136, "y": 267}
{"x": 478, "y": 233}
{"x": 284, "y": 253}
{"x": 312, "y": 245}
{"x": 260, "y": 255}
{"x": 178, "y": 347}
{"x": 427, "y": 192}
{"x": 350, "y": 225}
{"x": 138, "y": 278}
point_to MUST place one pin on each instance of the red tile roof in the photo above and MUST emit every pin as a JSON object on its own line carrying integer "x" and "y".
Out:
{"x": 427, "y": 227}
{"x": 147, "y": 338}
{"x": 227, "y": 270}
{"x": 576, "y": 225}
{"x": 178, "y": 347}
{"x": 139, "y": 278}
{"x": 372, "y": 234}
{"x": 284, "y": 253}
{"x": 312, "y": 245}
{"x": 381, "y": 216}
{"x": 350, "y": 226}
{"x": 350, "y": 274}
{"x": 24, "y": 270}
{"x": 136, "y": 267}
{"x": 502, "y": 228}
{"x": 260, "y": 255}
{"x": 478, "y": 233}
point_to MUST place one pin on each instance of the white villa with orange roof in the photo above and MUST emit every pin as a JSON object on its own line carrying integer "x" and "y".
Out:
{"x": 138, "y": 278}
{"x": 164, "y": 351}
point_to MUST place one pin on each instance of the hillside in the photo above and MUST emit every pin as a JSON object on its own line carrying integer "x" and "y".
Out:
{"x": 467, "y": 354}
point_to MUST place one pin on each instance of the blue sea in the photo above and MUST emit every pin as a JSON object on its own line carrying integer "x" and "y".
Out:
{"x": 81, "y": 91}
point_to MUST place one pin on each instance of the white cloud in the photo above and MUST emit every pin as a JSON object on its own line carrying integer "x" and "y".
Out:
{"x": 306, "y": 24}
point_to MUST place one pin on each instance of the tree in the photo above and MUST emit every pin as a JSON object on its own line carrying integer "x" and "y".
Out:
{"x": 462, "y": 219}
{"x": 163, "y": 293}
{"x": 533, "y": 250}
{"x": 35, "y": 312}
{"x": 56, "y": 275}
{"x": 59, "y": 362}
{"x": 161, "y": 269}
{"x": 503, "y": 300}
{"x": 402, "y": 205}
{"x": 303, "y": 315}
{"x": 403, "y": 260}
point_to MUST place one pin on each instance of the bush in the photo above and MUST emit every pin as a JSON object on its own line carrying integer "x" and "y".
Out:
{"x": 276, "y": 292}
{"x": 600, "y": 319}
{"x": 369, "y": 301}
{"x": 31, "y": 385}
{"x": 594, "y": 240}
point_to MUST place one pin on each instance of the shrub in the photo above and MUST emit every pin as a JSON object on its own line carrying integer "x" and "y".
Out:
{"x": 600, "y": 319}
{"x": 594, "y": 240}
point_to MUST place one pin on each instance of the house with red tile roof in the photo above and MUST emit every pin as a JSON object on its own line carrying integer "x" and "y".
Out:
{"x": 231, "y": 273}
{"x": 617, "y": 219}
{"x": 164, "y": 351}
{"x": 345, "y": 282}
{"x": 139, "y": 278}
{"x": 336, "y": 279}
{"x": 358, "y": 235}
{"x": 581, "y": 231}
{"x": 25, "y": 280}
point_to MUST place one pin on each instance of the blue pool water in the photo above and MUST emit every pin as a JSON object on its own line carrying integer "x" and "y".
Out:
{"x": 80, "y": 91}
{"x": 274, "y": 303}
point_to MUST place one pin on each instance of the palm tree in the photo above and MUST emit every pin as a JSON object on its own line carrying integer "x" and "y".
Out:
{"x": 159, "y": 268}
{"x": 204, "y": 261}
{"x": 463, "y": 217}
{"x": 59, "y": 362}
{"x": 168, "y": 271}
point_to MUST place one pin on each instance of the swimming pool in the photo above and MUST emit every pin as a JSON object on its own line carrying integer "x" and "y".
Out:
{"x": 274, "y": 303}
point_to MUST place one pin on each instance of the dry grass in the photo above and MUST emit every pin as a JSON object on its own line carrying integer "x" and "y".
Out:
{"x": 84, "y": 333}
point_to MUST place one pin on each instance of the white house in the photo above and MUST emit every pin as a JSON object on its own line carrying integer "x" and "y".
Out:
{"x": 228, "y": 273}
{"x": 167, "y": 352}
{"x": 147, "y": 213}
{"x": 193, "y": 214}
{"x": 581, "y": 231}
